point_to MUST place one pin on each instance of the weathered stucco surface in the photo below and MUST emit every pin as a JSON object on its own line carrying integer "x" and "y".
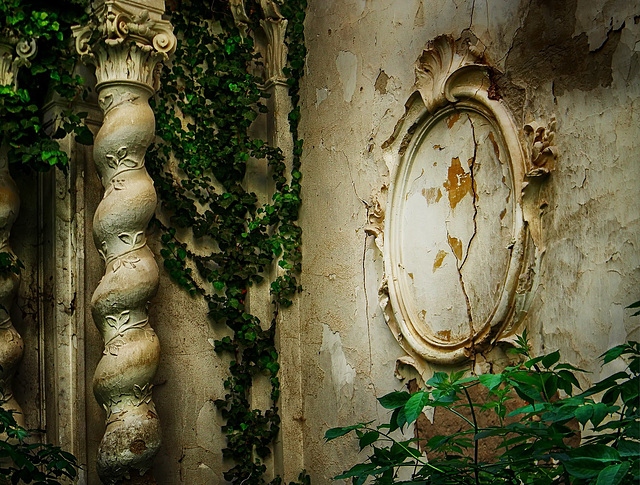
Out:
{"x": 577, "y": 61}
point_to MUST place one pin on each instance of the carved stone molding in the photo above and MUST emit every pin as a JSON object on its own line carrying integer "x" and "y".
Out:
{"x": 456, "y": 244}
{"x": 274, "y": 26}
{"x": 541, "y": 147}
{"x": 126, "y": 44}
{"x": 14, "y": 53}
{"x": 240, "y": 16}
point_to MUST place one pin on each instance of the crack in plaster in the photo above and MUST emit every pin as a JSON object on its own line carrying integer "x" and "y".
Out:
{"x": 474, "y": 193}
{"x": 462, "y": 286}
{"x": 473, "y": 7}
{"x": 450, "y": 240}
{"x": 515, "y": 33}
{"x": 366, "y": 297}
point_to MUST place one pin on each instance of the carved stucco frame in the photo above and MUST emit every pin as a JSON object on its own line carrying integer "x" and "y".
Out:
{"x": 449, "y": 76}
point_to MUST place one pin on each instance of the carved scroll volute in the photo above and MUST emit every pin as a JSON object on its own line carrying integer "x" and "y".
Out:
{"x": 127, "y": 46}
{"x": 14, "y": 53}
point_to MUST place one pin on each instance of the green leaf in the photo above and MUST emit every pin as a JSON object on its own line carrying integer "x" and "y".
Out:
{"x": 394, "y": 400}
{"x": 414, "y": 406}
{"x": 485, "y": 433}
{"x": 490, "y": 381}
{"x": 568, "y": 377}
{"x": 613, "y": 474}
{"x": 363, "y": 469}
{"x": 584, "y": 467}
{"x": 613, "y": 353}
{"x": 549, "y": 360}
{"x": 334, "y": 433}
{"x": 368, "y": 438}
{"x": 600, "y": 411}
{"x": 628, "y": 448}
{"x": 584, "y": 414}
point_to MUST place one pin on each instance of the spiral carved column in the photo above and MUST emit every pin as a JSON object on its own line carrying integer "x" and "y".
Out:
{"x": 13, "y": 54}
{"x": 131, "y": 45}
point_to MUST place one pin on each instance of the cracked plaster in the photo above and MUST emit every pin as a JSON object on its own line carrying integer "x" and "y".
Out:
{"x": 577, "y": 60}
{"x": 563, "y": 59}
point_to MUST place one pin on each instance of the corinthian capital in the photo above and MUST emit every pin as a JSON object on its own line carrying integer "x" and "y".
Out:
{"x": 126, "y": 40}
{"x": 14, "y": 53}
{"x": 275, "y": 27}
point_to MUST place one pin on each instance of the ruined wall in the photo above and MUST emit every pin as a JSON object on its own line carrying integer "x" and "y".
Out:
{"x": 575, "y": 61}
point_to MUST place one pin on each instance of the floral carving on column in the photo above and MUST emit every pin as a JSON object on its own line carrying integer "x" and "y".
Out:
{"x": 14, "y": 53}
{"x": 127, "y": 45}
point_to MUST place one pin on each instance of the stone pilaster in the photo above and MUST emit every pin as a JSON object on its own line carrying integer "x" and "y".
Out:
{"x": 13, "y": 55}
{"x": 127, "y": 42}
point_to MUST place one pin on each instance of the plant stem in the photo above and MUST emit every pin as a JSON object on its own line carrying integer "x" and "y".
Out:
{"x": 615, "y": 443}
{"x": 470, "y": 423}
{"x": 476, "y": 471}
{"x": 407, "y": 450}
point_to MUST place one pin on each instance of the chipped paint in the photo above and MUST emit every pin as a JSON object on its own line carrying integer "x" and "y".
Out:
{"x": 341, "y": 374}
{"x": 321, "y": 95}
{"x": 437, "y": 262}
{"x": 451, "y": 120}
{"x": 456, "y": 246}
{"x": 381, "y": 83}
{"x": 496, "y": 148}
{"x": 444, "y": 335}
{"x": 432, "y": 194}
{"x": 347, "y": 65}
{"x": 458, "y": 183}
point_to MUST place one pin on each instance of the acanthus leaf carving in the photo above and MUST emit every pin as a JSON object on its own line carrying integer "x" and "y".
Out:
{"x": 125, "y": 44}
{"x": 14, "y": 54}
{"x": 439, "y": 66}
{"x": 240, "y": 16}
{"x": 542, "y": 151}
{"x": 375, "y": 216}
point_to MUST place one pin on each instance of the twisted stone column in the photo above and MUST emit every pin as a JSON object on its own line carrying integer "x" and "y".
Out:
{"x": 13, "y": 54}
{"x": 126, "y": 45}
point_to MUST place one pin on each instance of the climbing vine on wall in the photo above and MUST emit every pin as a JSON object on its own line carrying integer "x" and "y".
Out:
{"x": 210, "y": 98}
{"x": 48, "y": 73}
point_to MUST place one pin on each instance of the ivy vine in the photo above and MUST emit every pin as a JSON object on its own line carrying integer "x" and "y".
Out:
{"x": 50, "y": 73}
{"x": 209, "y": 101}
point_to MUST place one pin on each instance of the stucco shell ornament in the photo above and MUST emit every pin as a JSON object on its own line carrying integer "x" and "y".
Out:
{"x": 455, "y": 238}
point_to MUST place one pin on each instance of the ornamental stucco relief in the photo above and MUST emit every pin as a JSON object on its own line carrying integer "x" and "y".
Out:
{"x": 456, "y": 244}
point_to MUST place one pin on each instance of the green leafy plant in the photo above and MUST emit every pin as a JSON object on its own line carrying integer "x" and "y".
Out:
{"x": 22, "y": 461}
{"x": 50, "y": 73}
{"x": 535, "y": 445}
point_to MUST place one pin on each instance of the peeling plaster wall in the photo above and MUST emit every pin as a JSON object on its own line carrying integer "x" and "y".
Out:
{"x": 577, "y": 60}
